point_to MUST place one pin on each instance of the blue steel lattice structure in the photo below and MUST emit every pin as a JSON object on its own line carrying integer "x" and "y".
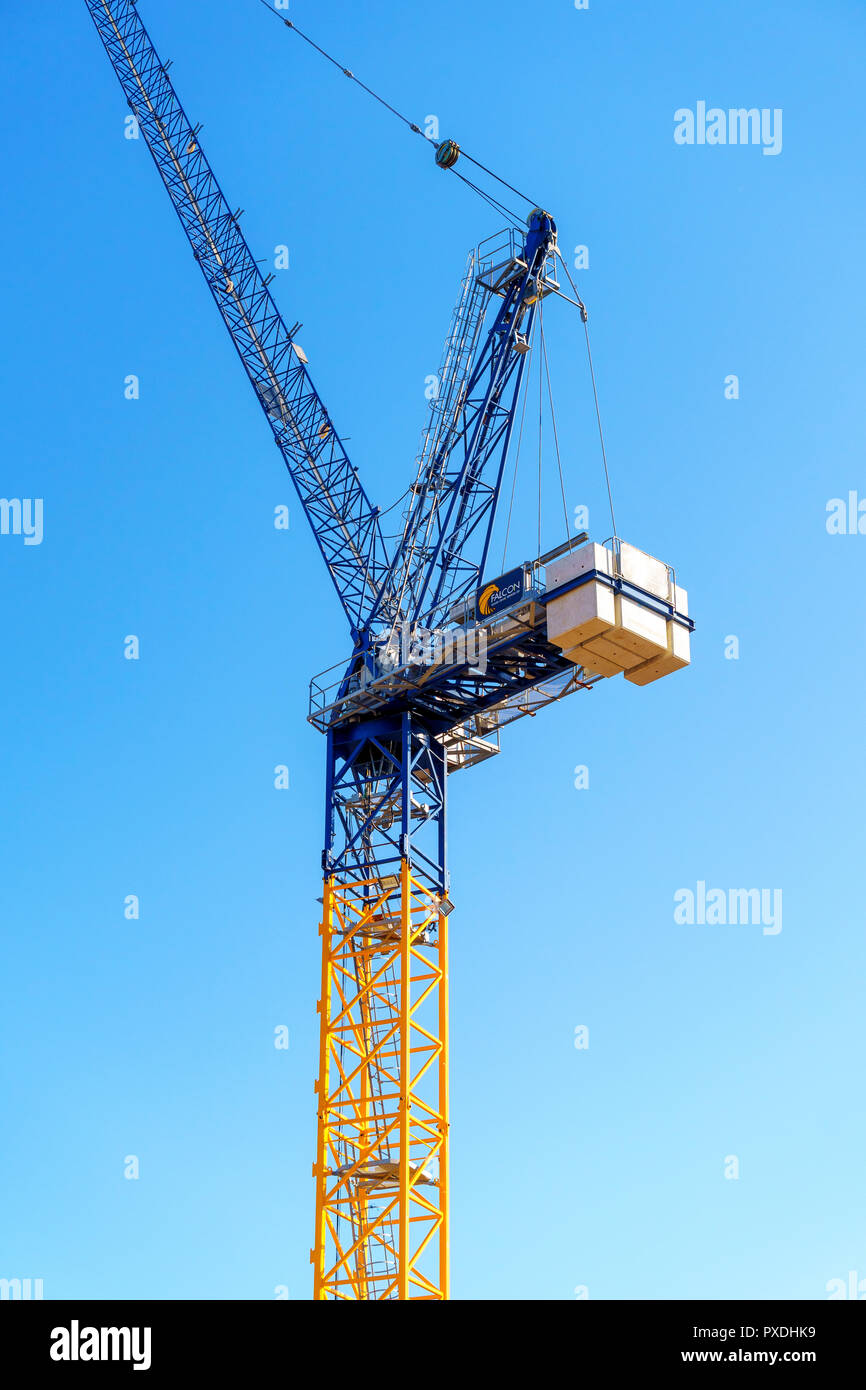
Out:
{"x": 393, "y": 733}
{"x": 345, "y": 523}
{"x": 440, "y": 559}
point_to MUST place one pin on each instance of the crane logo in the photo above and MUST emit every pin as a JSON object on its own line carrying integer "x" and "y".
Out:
{"x": 500, "y": 593}
{"x": 485, "y": 600}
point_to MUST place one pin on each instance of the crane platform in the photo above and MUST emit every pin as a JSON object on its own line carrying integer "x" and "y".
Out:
{"x": 490, "y": 671}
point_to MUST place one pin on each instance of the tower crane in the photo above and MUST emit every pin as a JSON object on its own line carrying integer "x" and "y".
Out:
{"x": 441, "y": 657}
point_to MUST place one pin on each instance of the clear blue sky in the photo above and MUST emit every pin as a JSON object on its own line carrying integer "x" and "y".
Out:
{"x": 154, "y": 1037}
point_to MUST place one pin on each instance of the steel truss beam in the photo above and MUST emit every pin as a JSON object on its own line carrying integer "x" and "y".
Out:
{"x": 382, "y": 1160}
{"x": 437, "y": 562}
{"x": 345, "y": 523}
{"x": 382, "y": 1155}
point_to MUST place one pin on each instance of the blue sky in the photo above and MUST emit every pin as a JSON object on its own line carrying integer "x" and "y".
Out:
{"x": 601, "y": 1168}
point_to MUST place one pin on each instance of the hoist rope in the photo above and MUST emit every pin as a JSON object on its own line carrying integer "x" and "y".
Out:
{"x": 490, "y": 200}
{"x": 510, "y": 186}
{"x": 584, "y": 316}
{"x": 552, "y": 415}
{"x": 413, "y": 126}
{"x": 540, "y": 442}
{"x": 517, "y": 457}
{"x": 347, "y": 72}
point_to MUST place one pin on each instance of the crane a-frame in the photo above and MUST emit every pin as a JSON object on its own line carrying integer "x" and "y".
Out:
{"x": 441, "y": 658}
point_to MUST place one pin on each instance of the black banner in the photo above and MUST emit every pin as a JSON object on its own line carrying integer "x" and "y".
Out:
{"x": 212, "y": 1339}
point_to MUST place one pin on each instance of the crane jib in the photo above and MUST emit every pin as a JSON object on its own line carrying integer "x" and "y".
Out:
{"x": 455, "y": 515}
{"x": 345, "y": 523}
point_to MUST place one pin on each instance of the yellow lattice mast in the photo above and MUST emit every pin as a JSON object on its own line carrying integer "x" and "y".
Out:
{"x": 382, "y": 1156}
